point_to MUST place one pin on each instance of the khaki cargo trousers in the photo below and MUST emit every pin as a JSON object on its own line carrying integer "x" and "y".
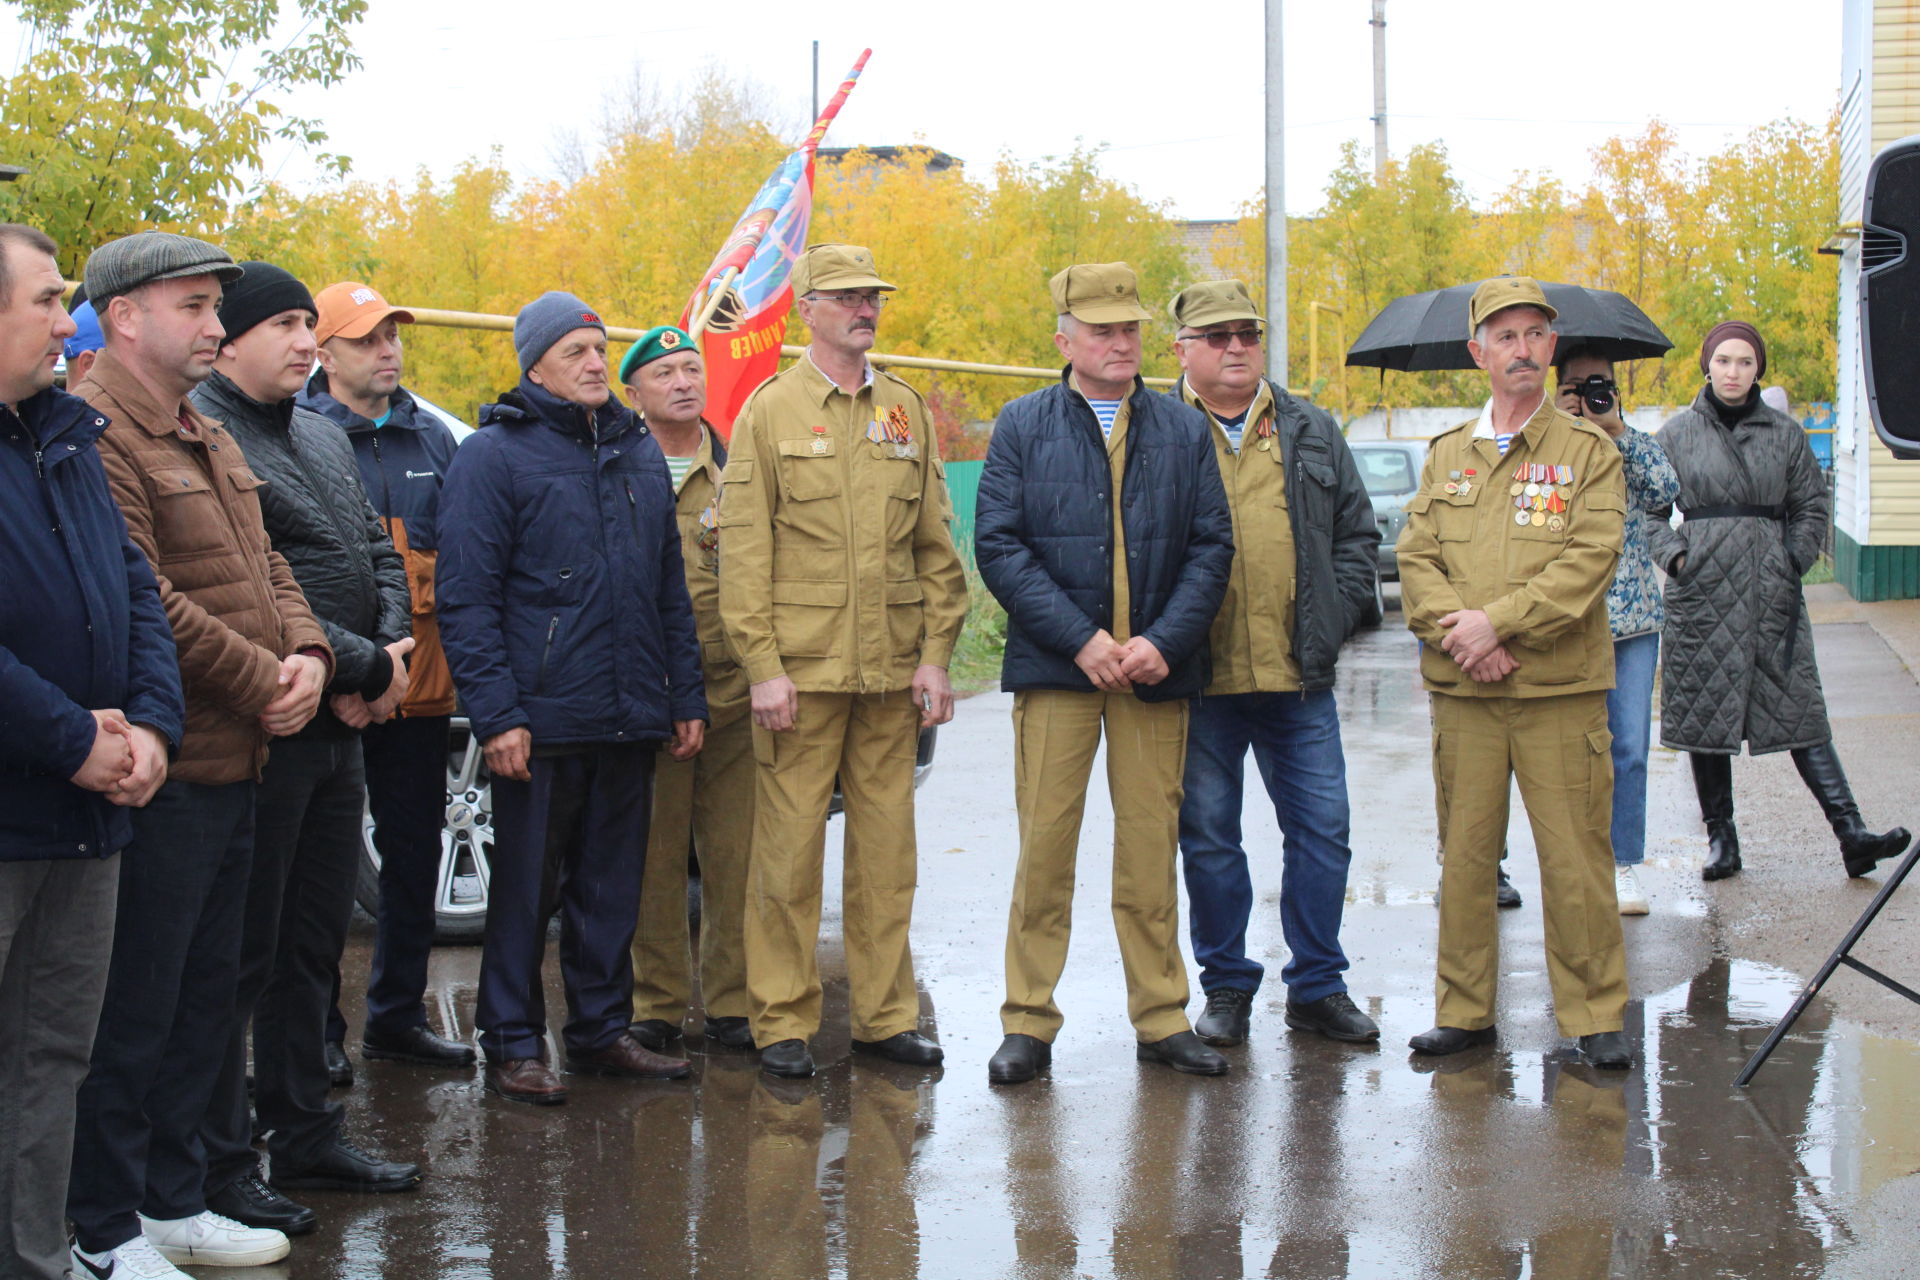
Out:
{"x": 705, "y": 802}
{"x": 1561, "y": 752}
{"x": 1056, "y": 734}
{"x": 870, "y": 741}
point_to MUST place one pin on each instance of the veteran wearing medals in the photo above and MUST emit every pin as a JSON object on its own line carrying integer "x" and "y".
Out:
{"x": 842, "y": 598}
{"x": 1104, "y": 531}
{"x": 1505, "y": 561}
{"x": 705, "y": 803}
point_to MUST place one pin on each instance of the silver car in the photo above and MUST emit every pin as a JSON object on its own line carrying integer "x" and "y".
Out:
{"x": 1391, "y": 471}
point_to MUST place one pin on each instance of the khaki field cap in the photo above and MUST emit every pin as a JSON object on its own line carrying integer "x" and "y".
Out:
{"x": 1213, "y": 302}
{"x": 1501, "y": 292}
{"x": 1098, "y": 293}
{"x": 351, "y": 309}
{"x": 835, "y": 266}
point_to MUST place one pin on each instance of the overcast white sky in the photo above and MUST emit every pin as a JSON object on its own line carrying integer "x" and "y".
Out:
{"x": 1172, "y": 87}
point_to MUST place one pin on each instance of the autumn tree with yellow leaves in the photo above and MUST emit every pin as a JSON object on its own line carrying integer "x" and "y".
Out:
{"x": 630, "y": 224}
{"x": 1734, "y": 235}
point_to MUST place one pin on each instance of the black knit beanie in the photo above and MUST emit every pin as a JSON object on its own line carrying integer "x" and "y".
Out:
{"x": 264, "y": 291}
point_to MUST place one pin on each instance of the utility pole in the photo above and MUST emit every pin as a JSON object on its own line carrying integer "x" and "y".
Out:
{"x": 1276, "y": 200}
{"x": 1379, "y": 25}
{"x": 816, "y": 80}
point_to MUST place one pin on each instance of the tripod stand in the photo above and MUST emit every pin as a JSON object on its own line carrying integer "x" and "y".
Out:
{"x": 1841, "y": 955}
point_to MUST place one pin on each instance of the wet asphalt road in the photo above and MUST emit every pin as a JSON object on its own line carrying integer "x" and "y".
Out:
{"x": 1312, "y": 1159}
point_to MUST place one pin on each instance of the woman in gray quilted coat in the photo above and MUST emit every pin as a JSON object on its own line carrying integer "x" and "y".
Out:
{"x": 1739, "y": 663}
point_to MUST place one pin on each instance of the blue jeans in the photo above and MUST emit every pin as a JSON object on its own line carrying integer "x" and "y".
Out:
{"x": 1630, "y": 721}
{"x": 1295, "y": 740}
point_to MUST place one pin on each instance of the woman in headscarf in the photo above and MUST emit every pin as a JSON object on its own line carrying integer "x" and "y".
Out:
{"x": 1738, "y": 647}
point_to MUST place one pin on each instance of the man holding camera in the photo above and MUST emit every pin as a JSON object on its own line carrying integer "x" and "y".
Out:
{"x": 1634, "y": 610}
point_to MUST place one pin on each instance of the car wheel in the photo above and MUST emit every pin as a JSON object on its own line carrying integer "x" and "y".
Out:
{"x": 1375, "y": 612}
{"x": 466, "y": 846}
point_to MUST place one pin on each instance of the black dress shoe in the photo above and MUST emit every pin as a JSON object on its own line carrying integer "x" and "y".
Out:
{"x": 1018, "y": 1060}
{"x": 1334, "y": 1017}
{"x": 344, "y": 1167}
{"x": 788, "y": 1059}
{"x": 1504, "y": 894}
{"x": 417, "y": 1044}
{"x": 1444, "y": 1040}
{"x": 655, "y": 1033}
{"x": 1229, "y": 1013}
{"x": 339, "y": 1065}
{"x": 729, "y": 1033}
{"x": 252, "y": 1202}
{"x": 909, "y": 1047}
{"x": 1608, "y": 1049}
{"x": 1183, "y": 1052}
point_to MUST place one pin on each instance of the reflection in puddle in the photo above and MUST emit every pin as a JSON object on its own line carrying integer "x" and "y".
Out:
{"x": 1317, "y": 1161}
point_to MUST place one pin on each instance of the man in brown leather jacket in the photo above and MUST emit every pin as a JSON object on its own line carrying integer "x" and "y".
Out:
{"x": 253, "y": 663}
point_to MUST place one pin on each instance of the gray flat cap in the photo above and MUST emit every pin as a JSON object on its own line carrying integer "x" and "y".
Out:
{"x": 123, "y": 265}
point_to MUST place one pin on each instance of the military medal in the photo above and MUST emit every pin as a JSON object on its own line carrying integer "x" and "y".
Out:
{"x": 819, "y": 440}
{"x": 1520, "y": 517}
{"x": 1466, "y": 484}
{"x": 1555, "y": 524}
{"x": 1264, "y": 445}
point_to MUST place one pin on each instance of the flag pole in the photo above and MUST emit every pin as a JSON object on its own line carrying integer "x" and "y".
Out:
{"x": 811, "y": 143}
{"x": 720, "y": 288}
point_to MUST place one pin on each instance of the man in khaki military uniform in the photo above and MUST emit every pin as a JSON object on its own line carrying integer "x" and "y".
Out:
{"x": 842, "y": 598}
{"x": 1103, "y": 529}
{"x": 1505, "y": 561}
{"x": 705, "y": 803}
{"x": 1301, "y": 513}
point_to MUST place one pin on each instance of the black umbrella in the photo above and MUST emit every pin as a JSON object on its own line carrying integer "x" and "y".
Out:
{"x": 1429, "y": 330}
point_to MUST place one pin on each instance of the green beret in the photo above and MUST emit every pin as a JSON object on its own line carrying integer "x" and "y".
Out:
{"x": 661, "y": 340}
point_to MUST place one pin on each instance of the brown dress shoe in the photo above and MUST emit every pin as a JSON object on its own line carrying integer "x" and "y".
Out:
{"x": 627, "y": 1057}
{"x": 526, "y": 1080}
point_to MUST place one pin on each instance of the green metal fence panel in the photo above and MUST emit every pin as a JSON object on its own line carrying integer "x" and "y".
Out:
{"x": 963, "y": 486}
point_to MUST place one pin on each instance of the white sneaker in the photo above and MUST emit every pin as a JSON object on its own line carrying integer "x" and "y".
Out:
{"x": 137, "y": 1259}
{"x": 1626, "y": 887}
{"x": 209, "y": 1240}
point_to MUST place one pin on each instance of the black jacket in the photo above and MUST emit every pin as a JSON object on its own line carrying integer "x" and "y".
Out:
{"x": 1043, "y": 534}
{"x": 563, "y": 601}
{"x": 318, "y": 517}
{"x": 81, "y": 630}
{"x": 1336, "y": 541}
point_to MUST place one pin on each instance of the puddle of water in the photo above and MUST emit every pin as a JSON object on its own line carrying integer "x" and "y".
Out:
{"x": 1311, "y": 1160}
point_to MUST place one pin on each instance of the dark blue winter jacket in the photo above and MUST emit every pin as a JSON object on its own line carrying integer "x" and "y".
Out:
{"x": 81, "y": 630}
{"x": 1043, "y": 536}
{"x": 402, "y": 462}
{"x": 563, "y": 604}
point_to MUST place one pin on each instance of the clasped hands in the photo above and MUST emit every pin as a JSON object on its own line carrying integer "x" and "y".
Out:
{"x": 1472, "y": 642}
{"x": 127, "y": 762}
{"x": 1115, "y": 668}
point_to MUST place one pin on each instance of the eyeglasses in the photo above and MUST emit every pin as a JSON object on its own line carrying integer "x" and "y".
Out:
{"x": 851, "y": 301}
{"x": 1219, "y": 340}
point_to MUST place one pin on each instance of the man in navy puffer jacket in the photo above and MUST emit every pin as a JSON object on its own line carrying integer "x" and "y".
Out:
{"x": 566, "y": 624}
{"x": 1103, "y": 528}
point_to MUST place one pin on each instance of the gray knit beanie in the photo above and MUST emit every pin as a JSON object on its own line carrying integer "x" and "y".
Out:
{"x": 547, "y": 319}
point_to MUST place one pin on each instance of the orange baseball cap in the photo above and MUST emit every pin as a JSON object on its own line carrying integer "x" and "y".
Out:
{"x": 351, "y": 310}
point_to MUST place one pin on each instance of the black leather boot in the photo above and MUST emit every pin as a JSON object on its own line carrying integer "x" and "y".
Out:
{"x": 1860, "y": 848}
{"x": 1713, "y": 783}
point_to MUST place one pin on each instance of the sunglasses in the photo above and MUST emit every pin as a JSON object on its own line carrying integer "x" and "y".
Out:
{"x": 1219, "y": 340}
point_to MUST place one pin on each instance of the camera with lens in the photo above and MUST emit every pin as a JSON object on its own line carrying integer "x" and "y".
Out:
{"x": 1597, "y": 393}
